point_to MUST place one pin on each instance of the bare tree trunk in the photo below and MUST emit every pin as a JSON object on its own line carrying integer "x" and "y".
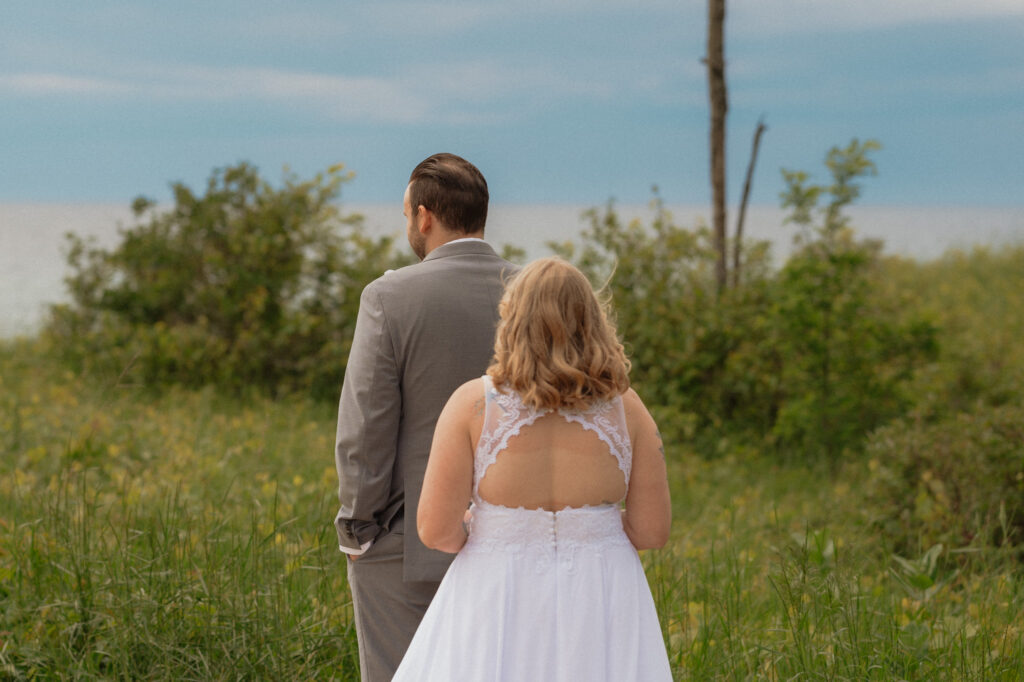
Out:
{"x": 738, "y": 246}
{"x": 715, "y": 61}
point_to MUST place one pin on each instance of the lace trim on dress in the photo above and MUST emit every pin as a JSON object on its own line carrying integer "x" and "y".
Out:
{"x": 495, "y": 436}
{"x": 550, "y": 537}
{"x": 601, "y": 423}
{"x": 606, "y": 420}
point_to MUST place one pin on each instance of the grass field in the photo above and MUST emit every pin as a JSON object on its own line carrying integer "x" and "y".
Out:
{"x": 185, "y": 535}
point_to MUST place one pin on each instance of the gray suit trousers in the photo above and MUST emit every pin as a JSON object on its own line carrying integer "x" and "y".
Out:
{"x": 387, "y": 608}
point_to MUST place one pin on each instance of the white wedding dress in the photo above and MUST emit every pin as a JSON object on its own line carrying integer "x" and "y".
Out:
{"x": 536, "y": 595}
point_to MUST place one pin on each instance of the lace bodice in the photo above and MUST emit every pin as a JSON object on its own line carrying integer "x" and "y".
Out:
{"x": 550, "y": 536}
{"x": 505, "y": 415}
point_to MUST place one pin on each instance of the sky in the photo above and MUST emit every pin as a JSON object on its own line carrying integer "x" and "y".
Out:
{"x": 557, "y": 101}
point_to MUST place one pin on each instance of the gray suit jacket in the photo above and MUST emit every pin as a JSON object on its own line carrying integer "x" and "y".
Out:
{"x": 422, "y": 331}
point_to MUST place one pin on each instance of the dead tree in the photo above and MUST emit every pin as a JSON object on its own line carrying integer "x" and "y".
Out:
{"x": 738, "y": 245}
{"x": 715, "y": 61}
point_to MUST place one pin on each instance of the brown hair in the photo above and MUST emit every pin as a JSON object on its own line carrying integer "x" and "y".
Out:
{"x": 453, "y": 189}
{"x": 555, "y": 345}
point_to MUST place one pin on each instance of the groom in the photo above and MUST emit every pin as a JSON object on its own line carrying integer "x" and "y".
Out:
{"x": 422, "y": 331}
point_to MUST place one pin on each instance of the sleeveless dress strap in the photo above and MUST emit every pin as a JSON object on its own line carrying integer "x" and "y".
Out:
{"x": 608, "y": 421}
{"x": 504, "y": 416}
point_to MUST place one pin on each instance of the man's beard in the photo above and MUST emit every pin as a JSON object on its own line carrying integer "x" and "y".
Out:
{"x": 418, "y": 242}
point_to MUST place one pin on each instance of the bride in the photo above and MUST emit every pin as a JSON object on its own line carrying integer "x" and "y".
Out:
{"x": 565, "y": 471}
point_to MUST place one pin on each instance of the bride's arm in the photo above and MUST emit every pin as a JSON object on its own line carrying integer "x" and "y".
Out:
{"x": 448, "y": 481}
{"x": 648, "y": 513}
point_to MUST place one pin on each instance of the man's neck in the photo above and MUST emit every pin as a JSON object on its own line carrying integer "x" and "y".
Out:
{"x": 476, "y": 236}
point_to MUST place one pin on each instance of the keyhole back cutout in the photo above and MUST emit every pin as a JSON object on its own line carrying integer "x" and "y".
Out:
{"x": 552, "y": 464}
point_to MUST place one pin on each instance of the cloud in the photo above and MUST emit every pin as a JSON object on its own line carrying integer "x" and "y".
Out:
{"x": 388, "y": 61}
{"x": 459, "y": 92}
{"x": 493, "y": 80}
{"x": 59, "y": 84}
{"x": 429, "y": 18}
{"x": 345, "y": 97}
{"x": 393, "y": 19}
{"x": 794, "y": 13}
{"x": 790, "y": 16}
{"x": 291, "y": 24}
{"x": 993, "y": 82}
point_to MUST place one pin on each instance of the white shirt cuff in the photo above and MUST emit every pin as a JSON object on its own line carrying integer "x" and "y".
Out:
{"x": 356, "y": 552}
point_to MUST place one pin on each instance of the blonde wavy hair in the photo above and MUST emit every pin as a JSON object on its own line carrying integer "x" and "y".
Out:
{"x": 555, "y": 345}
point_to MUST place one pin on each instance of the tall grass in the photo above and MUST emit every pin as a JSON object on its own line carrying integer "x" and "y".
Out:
{"x": 774, "y": 574}
{"x": 184, "y": 535}
{"x": 175, "y": 537}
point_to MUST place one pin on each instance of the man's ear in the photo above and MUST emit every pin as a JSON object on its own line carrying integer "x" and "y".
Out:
{"x": 426, "y": 217}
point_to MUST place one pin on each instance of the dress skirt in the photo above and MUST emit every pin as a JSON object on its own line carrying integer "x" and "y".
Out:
{"x": 541, "y": 596}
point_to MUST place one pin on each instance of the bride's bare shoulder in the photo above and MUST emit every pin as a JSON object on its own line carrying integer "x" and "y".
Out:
{"x": 638, "y": 417}
{"x": 468, "y": 395}
{"x": 632, "y": 402}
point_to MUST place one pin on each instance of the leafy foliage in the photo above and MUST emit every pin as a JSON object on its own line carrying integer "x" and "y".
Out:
{"x": 808, "y": 359}
{"x": 976, "y": 299}
{"x": 959, "y": 481}
{"x": 848, "y": 353}
{"x": 244, "y": 286}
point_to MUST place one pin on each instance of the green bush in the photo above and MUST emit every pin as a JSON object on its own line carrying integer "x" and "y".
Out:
{"x": 805, "y": 360}
{"x": 974, "y": 298}
{"x": 244, "y": 287}
{"x": 959, "y": 482}
{"x": 849, "y": 350}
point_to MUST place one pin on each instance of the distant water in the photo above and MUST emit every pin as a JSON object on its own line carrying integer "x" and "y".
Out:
{"x": 32, "y": 265}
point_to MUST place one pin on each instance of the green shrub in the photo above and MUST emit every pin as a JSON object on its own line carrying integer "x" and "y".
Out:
{"x": 849, "y": 351}
{"x": 959, "y": 482}
{"x": 974, "y": 298}
{"x": 805, "y": 360}
{"x": 244, "y": 287}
